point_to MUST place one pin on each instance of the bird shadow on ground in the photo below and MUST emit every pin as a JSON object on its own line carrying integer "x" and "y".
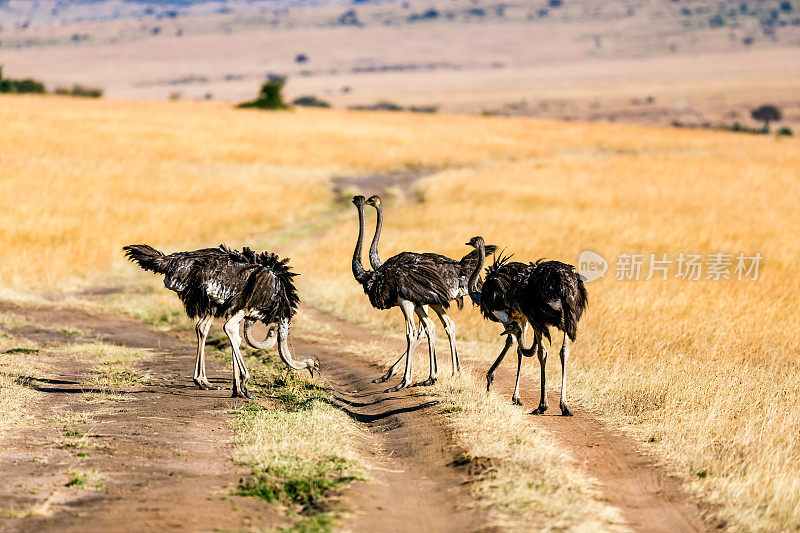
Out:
{"x": 41, "y": 385}
{"x": 366, "y": 418}
{"x": 350, "y": 403}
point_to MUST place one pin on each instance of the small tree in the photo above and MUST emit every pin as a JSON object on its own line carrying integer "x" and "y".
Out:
{"x": 766, "y": 114}
{"x": 270, "y": 96}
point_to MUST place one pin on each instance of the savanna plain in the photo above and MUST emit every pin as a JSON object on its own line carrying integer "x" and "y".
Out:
{"x": 701, "y": 374}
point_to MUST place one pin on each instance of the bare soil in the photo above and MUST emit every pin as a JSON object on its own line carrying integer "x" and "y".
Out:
{"x": 163, "y": 455}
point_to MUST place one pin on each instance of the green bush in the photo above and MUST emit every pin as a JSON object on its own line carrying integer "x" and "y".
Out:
{"x": 786, "y": 131}
{"x": 270, "y": 96}
{"x": 27, "y": 85}
{"x": 79, "y": 90}
{"x": 310, "y": 101}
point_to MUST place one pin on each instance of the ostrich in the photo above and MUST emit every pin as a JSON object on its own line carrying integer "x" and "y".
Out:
{"x": 410, "y": 281}
{"x": 455, "y": 275}
{"x": 493, "y": 299}
{"x": 224, "y": 283}
{"x": 542, "y": 294}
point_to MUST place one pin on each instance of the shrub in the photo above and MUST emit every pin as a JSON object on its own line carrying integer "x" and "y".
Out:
{"x": 310, "y": 101}
{"x": 766, "y": 114}
{"x": 716, "y": 21}
{"x": 80, "y": 90}
{"x": 27, "y": 85}
{"x": 380, "y": 106}
{"x": 270, "y": 96}
{"x": 785, "y": 131}
{"x": 349, "y": 18}
{"x": 423, "y": 108}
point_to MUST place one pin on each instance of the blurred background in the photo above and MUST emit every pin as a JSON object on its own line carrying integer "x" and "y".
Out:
{"x": 694, "y": 63}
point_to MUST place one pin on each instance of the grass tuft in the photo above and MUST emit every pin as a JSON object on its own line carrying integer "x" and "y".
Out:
{"x": 295, "y": 480}
{"x": 82, "y": 479}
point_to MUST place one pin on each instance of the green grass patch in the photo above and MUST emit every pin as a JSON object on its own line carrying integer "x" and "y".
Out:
{"x": 318, "y": 523}
{"x": 27, "y": 351}
{"x": 299, "y": 449}
{"x": 79, "y": 478}
{"x": 297, "y": 480}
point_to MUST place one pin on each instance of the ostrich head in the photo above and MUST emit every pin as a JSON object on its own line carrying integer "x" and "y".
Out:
{"x": 475, "y": 242}
{"x": 313, "y": 365}
{"x": 513, "y": 328}
{"x": 359, "y": 200}
{"x": 374, "y": 201}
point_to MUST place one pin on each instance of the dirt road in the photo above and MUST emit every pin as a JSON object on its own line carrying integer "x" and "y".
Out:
{"x": 163, "y": 458}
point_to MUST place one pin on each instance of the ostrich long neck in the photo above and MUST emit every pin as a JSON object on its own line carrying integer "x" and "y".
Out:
{"x": 358, "y": 269}
{"x": 283, "y": 348}
{"x": 473, "y": 279}
{"x": 374, "y": 257}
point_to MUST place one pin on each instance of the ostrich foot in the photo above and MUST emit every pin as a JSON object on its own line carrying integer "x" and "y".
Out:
{"x": 244, "y": 393}
{"x": 205, "y": 385}
{"x": 539, "y": 410}
{"x": 402, "y": 385}
{"x": 383, "y": 378}
{"x": 426, "y": 383}
{"x": 565, "y": 410}
{"x": 516, "y": 400}
{"x": 489, "y": 381}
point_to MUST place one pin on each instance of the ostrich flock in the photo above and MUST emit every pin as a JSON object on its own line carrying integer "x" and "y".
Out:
{"x": 248, "y": 287}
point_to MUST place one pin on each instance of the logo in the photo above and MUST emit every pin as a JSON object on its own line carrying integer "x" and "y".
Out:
{"x": 592, "y": 266}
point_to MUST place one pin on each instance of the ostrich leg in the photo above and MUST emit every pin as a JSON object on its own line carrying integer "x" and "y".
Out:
{"x": 564, "y": 355}
{"x": 411, "y": 342}
{"x": 430, "y": 330}
{"x": 493, "y": 369}
{"x": 520, "y": 343}
{"x": 450, "y": 329}
{"x": 392, "y": 369}
{"x": 199, "y": 378}
{"x": 542, "y": 353}
{"x": 240, "y": 373}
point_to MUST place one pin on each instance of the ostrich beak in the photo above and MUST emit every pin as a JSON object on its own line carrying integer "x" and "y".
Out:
{"x": 314, "y": 366}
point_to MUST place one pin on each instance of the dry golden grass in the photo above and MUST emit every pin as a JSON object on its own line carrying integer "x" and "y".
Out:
{"x": 530, "y": 484}
{"x": 20, "y": 362}
{"x": 113, "y": 366}
{"x": 79, "y": 179}
{"x": 705, "y": 373}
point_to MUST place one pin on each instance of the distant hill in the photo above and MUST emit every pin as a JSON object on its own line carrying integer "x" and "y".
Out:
{"x": 21, "y": 12}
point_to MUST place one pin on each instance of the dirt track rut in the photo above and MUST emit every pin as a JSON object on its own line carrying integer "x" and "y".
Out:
{"x": 407, "y": 447}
